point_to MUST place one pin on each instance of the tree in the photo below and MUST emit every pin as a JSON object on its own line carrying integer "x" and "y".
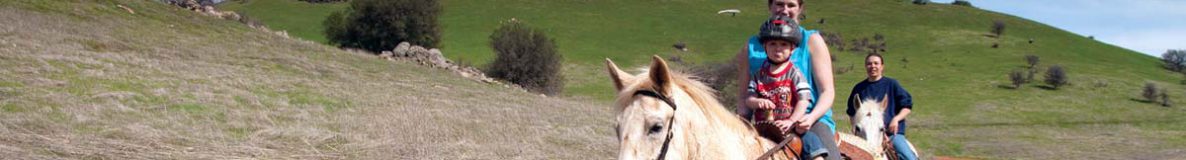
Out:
{"x": 527, "y": 57}
{"x": 1056, "y": 77}
{"x": 1149, "y": 92}
{"x": 379, "y": 25}
{"x": 998, "y": 28}
{"x": 962, "y": 3}
{"x": 1016, "y": 78}
{"x": 1032, "y": 60}
{"x": 1175, "y": 60}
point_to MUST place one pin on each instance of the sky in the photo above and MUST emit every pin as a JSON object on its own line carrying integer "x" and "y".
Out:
{"x": 1147, "y": 26}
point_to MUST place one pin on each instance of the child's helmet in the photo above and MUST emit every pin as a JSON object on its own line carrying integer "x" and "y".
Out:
{"x": 781, "y": 28}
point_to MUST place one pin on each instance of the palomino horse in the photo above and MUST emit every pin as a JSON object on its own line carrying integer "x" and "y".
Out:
{"x": 666, "y": 115}
{"x": 869, "y": 123}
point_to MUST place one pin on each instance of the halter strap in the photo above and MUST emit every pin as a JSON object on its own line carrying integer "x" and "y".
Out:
{"x": 666, "y": 141}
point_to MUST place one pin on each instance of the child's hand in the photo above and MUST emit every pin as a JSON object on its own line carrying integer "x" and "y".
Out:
{"x": 803, "y": 125}
{"x": 759, "y": 103}
{"x": 893, "y": 127}
{"x": 786, "y": 125}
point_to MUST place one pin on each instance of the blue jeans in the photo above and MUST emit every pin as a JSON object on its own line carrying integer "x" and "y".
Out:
{"x": 902, "y": 146}
{"x": 820, "y": 141}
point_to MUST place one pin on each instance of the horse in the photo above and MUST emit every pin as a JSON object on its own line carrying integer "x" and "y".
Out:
{"x": 663, "y": 114}
{"x": 869, "y": 123}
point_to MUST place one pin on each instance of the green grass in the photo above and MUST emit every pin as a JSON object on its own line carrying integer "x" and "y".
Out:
{"x": 300, "y": 19}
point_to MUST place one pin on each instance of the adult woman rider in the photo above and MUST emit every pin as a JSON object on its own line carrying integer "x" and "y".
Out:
{"x": 814, "y": 60}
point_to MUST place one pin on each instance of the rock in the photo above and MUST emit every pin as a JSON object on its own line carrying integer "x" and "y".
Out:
{"x": 386, "y": 54}
{"x": 437, "y": 58}
{"x": 401, "y": 49}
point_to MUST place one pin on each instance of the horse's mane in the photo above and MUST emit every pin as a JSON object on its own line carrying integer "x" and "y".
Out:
{"x": 699, "y": 93}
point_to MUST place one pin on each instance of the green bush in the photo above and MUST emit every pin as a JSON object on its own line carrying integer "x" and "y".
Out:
{"x": 527, "y": 57}
{"x": 1016, "y": 78}
{"x": 1056, "y": 76}
{"x": 998, "y": 28}
{"x": 1149, "y": 92}
{"x": 379, "y": 25}
{"x": 1175, "y": 60}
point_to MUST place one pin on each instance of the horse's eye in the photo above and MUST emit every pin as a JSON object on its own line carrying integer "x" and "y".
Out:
{"x": 656, "y": 128}
{"x": 882, "y": 129}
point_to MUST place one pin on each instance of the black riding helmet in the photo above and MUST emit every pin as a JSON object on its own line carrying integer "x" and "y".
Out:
{"x": 781, "y": 28}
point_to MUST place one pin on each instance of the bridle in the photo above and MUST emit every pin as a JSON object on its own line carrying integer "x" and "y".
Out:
{"x": 666, "y": 141}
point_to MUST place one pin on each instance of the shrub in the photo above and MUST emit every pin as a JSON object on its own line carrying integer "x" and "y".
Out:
{"x": 962, "y": 3}
{"x": 921, "y": 2}
{"x": 1149, "y": 92}
{"x": 998, "y": 28}
{"x": 833, "y": 39}
{"x": 1032, "y": 60}
{"x": 1056, "y": 76}
{"x": 527, "y": 57}
{"x": 379, "y": 25}
{"x": 1175, "y": 60}
{"x": 1016, "y": 78}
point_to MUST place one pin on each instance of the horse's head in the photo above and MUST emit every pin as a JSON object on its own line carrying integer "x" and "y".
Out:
{"x": 869, "y": 120}
{"x": 646, "y": 105}
{"x": 666, "y": 114}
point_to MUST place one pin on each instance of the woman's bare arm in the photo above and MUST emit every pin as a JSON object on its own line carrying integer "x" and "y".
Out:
{"x": 821, "y": 63}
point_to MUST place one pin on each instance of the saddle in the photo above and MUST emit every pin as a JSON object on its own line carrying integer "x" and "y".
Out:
{"x": 768, "y": 130}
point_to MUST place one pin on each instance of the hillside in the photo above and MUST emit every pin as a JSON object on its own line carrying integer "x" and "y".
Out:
{"x": 89, "y": 80}
{"x": 941, "y": 53}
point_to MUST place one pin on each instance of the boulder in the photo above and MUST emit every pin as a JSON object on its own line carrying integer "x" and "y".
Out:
{"x": 401, "y": 50}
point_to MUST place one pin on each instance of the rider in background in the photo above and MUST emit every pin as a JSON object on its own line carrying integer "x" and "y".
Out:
{"x": 875, "y": 86}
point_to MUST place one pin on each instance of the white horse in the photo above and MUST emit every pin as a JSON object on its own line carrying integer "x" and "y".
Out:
{"x": 869, "y": 123}
{"x": 666, "y": 115}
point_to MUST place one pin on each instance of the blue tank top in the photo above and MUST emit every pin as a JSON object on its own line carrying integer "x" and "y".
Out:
{"x": 801, "y": 58}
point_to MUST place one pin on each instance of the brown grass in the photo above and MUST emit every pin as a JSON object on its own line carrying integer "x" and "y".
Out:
{"x": 86, "y": 80}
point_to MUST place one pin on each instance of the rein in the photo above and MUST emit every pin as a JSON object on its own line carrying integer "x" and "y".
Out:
{"x": 666, "y": 141}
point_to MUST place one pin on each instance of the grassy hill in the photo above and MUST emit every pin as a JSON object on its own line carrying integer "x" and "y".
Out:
{"x": 941, "y": 53}
{"x": 89, "y": 80}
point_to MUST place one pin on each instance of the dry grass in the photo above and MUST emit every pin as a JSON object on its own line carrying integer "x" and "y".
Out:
{"x": 86, "y": 80}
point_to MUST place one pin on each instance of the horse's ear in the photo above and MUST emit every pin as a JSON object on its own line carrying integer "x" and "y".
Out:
{"x": 884, "y": 102}
{"x": 619, "y": 77}
{"x": 857, "y": 101}
{"x": 659, "y": 74}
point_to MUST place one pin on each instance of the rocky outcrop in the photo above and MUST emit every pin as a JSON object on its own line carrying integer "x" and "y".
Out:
{"x": 433, "y": 57}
